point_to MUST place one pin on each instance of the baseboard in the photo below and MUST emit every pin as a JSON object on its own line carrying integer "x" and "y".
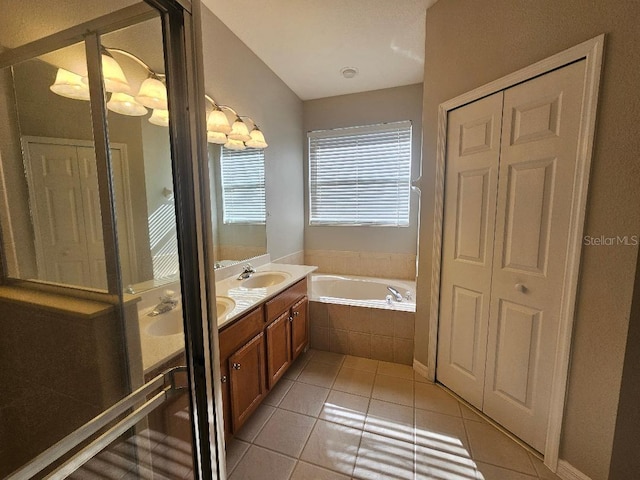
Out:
{"x": 566, "y": 471}
{"x": 421, "y": 368}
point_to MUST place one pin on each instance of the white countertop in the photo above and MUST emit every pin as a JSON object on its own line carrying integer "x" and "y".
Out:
{"x": 156, "y": 349}
{"x": 248, "y": 298}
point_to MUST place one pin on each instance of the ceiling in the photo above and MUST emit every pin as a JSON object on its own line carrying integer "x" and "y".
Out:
{"x": 307, "y": 43}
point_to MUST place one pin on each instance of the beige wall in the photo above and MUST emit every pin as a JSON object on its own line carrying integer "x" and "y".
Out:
{"x": 470, "y": 43}
{"x": 388, "y": 105}
{"x": 235, "y": 76}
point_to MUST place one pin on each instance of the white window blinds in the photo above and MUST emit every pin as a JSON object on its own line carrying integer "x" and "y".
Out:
{"x": 360, "y": 175}
{"x": 243, "y": 192}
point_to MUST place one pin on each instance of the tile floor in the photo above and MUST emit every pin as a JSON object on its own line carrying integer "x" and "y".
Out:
{"x": 337, "y": 417}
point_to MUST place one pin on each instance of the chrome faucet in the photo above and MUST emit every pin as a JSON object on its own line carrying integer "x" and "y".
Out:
{"x": 396, "y": 294}
{"x": 247, "y": 272}
{"x": 168, "y": 302}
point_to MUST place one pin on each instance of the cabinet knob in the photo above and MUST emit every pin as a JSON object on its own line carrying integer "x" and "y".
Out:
{"x": 521, "y": 288}
{"x": 295, "y": 314}
{"x": 236, "y": 366}
{"x": 223, "y": 379}
{"x": 291, "y": 319}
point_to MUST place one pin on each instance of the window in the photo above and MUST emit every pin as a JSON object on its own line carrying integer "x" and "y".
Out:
{"x": 360, "y": 175}
{"x": 243, "y": 192}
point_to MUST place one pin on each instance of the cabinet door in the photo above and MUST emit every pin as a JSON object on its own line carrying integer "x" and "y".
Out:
{"x": 247, "y": 377}
{"x": 278, "y": 350}
{"x": 299, "y": 327}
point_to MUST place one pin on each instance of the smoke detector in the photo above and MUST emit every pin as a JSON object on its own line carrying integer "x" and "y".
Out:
{"x": 349, "y": 72}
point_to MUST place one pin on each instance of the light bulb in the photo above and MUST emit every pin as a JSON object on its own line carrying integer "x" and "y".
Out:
{"x": 257, "y": 139}
{"x": 235, "y": 145}
{"x": 160, "y": 117}
{"x": 70, "y": 85}
{"x": 126, "y": 105}
{"x": 153, "y": 94}
{"x": 216, "y": 137}
{"x": 239, "y": 131}
{"x": 217, "y": 121}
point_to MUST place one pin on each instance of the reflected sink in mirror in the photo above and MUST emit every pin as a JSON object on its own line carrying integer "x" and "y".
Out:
{"x": 224, "y": 305}
{"x": 165, "y": 324}
{"x": 266, "y": 279}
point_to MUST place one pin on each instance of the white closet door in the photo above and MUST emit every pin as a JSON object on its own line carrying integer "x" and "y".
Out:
{"x": 58, "y": 218}
{"x": 473, "y": 149}
{"x": 540, "y": 129}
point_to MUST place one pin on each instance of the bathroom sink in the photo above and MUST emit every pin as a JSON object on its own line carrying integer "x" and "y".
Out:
{"x": 165, "y": 324}
{"x": 224, "y": 305}
{"x": 265, "y": 279}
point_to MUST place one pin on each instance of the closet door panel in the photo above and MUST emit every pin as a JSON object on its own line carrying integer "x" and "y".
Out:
{"x": 537, "y": 168}
{"x": 473, "y": 148}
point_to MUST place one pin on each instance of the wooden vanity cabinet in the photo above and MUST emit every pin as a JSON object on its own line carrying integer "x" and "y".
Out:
{"x": 278, "y": 348}
{"x": 247, "y": 380}
{"x": 242, "y": 344}
{"x": 287, "y": 319}
{"x": 258, "y": 348}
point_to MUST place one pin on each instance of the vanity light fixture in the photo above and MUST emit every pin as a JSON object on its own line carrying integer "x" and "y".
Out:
{"x": 257, "y": 138}
{"x": 70, "y": 85}
{"x": 160, "y": 117}
{"x": 125, "y": 104}
{"x": 235, "y": 137}
{"x": 153, "y": 93}
{"x": 235, "y": 144}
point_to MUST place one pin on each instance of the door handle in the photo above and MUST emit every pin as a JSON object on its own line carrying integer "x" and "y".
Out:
{"x": 521, "y": 288}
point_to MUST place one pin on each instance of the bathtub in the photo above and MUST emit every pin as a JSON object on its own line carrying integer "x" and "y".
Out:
{"x": 361, "y": 291}
{"x": 351, "y": 315}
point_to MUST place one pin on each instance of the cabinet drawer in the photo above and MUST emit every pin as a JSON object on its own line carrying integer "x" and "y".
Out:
{"x": 281, "y": 302}
{"x": 240, "y": 332}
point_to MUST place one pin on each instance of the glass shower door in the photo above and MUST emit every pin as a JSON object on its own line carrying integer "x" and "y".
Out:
{"x": 104, "y": 351}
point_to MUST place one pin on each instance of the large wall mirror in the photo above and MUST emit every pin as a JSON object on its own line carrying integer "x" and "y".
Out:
{"x": 54, "y": 207}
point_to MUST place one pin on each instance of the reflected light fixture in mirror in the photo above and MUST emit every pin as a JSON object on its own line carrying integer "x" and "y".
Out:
{"x": 70, "y": 85}
{"x": 235, "y": 144}
{"x": 153, "y": 94}
{"x": 160, "y": 117}
{"x": 125, "y": 104}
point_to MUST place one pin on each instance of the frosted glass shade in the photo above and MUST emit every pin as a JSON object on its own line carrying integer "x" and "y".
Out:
{"x": 160, "y": 117}
{"x": 126, "y": 105}
{"x": 257, "y": 139}
{"x": 234, "y": 145}
{"x": 239, "y": 131}
{"x": 114, "y": 79}
{"x": 153, "y": 94}
{"x": 70, "y": 85}
{"x": 216, "y": 137}
{"x": 218, "y": 122}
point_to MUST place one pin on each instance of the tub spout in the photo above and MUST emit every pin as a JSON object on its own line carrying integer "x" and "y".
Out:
{"x": 396, "y": 294}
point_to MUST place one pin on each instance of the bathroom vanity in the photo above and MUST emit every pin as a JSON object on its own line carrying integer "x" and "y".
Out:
{"x": 263, "y": 326}
{"x": 258, "y": 346}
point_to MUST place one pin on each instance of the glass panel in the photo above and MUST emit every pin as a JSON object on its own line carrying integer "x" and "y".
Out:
{"x": 67, "y": 355}
{"x": 52, "y": 225}
{"x": 141, "y": 157}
